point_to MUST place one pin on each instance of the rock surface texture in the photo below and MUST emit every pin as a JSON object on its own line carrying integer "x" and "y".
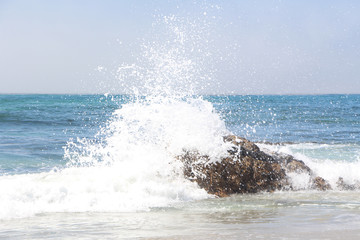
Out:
{"x": 246, "y": 169}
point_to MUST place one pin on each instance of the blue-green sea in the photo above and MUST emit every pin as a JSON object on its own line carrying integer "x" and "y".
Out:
{"x": 102, "y": 166}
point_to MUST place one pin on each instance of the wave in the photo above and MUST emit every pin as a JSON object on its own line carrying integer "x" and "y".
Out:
{"x": 329, "y": 161}
{"x": 100, "y": 189}
{"x": 130, "y": 166}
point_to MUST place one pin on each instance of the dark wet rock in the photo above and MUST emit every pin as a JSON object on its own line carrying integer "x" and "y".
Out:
{"x": 246, "y": 169}
{"x": 320, "y": 184}
{"x": 244, "y": 148}
{"x": 230, "y": 176}
{"x": 291, "y": 164}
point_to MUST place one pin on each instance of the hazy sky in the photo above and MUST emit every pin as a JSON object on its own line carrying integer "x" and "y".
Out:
{"x": 255, "y": 47}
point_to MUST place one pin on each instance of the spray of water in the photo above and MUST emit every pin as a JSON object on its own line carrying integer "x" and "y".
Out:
{"x": 144, "y": 137}
{"x": 173, "y": 65}
{"x": 131, "y": 165}
{"x": 174, "y": 60}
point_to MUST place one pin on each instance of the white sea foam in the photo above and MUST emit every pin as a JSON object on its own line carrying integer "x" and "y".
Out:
{"x": 131, "y": 167}
{"x": 93, "y": 189}
{"x": 329, "y": 161}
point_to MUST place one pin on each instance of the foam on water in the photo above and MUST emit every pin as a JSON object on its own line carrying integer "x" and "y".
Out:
{"x": 130, "y": 166}
{"x": 93, "y": 189}
{"x": 329, "y": 161}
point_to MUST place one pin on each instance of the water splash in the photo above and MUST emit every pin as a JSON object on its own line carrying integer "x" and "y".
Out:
{"x": 175, "y": 58}
{"x": 169, "y": 72}
{"x": 329, "y": 161}
{"x": 131, "y": 165}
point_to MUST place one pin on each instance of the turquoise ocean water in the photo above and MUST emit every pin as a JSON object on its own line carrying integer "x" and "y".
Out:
{"x": 35, "y": 128}
{"x": 90, "y": 160}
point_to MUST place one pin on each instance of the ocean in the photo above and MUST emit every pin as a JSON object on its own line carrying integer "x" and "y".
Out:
{"x": 104, "y": 166}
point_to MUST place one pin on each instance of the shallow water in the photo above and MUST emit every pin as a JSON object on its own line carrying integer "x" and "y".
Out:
{"x": 280, "y": 215}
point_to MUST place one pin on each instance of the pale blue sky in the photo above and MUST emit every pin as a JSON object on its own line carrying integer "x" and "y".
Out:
{"x": 265, "y": 47}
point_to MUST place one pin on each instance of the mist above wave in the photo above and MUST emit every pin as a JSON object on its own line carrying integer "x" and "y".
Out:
{"x": 130, "y": 164}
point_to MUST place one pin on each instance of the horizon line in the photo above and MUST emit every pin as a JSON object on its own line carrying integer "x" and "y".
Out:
{"x": 204, "y": 94}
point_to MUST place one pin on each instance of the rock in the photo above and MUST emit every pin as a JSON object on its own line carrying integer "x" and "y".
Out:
{"x": 244, "y": 148}
{"x": 292, "y": 165}
{"x": 230, "y": 176}
{"x": 320, "y": 184}
{"x": 246, "y": 169}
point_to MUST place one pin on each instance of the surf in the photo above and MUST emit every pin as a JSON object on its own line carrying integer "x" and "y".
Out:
{"x": 131, "y": 163}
